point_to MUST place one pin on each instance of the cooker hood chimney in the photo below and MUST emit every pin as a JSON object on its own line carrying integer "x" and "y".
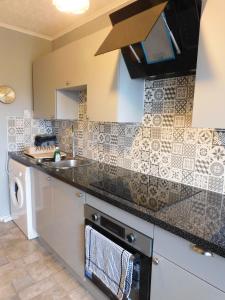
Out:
{"x": 157, "y": 38}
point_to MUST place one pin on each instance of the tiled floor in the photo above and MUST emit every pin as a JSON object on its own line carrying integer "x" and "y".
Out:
{"x": 27, "y": 271}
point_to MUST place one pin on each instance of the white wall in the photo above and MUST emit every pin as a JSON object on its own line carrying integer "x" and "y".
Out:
{"x": 17, "y": 52}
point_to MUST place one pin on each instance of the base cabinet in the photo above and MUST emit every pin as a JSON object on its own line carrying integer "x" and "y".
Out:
{"x": 60, "y": 219}
{"x": 170, "y": 282}
{"x": 60, "y": 223}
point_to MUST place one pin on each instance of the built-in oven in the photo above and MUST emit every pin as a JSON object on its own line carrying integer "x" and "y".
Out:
{"x": 138, "y": 244}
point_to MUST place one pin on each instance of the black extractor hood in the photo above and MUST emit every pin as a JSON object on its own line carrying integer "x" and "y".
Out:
{"x": 157, "y": 38}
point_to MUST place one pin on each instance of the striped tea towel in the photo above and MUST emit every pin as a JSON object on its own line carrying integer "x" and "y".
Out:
{"x": 109, "y": 262}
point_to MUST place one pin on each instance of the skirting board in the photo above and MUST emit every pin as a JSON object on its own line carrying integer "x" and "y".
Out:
{"x": 5, "y": 219}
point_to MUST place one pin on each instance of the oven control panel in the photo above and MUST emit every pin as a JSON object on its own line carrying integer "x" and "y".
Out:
{"x": 129, "y": 235}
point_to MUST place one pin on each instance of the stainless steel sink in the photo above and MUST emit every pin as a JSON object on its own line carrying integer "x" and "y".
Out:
{"x": 68, "y": 164}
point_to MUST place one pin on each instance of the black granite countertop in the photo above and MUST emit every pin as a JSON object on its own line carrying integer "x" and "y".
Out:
{"x": 191, "y": 213}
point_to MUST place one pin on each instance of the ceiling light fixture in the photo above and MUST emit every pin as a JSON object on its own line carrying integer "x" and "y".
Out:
{"x": 72, "y": 6}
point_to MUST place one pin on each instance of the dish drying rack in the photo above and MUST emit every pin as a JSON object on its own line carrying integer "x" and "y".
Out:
{"x": 42, "y": 152}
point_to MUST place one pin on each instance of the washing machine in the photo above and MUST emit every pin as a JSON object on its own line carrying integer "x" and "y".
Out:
{"x": 22, "y": 208}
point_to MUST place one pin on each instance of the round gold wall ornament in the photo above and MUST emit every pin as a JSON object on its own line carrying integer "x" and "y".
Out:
{"x": 7, "y": 94}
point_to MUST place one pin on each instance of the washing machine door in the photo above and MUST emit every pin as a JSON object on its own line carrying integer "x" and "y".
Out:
{"x": 17, "y": 197}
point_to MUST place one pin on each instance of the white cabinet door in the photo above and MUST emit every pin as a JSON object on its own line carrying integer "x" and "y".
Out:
{"x": 68, "y": 216}
{"x": 52, "y": 80}
{"x": 60, "y": 218}
{"x": 209, "y": 100}
{"x": 170, "y": 282}
{"x": 44, "y": 87}
{"x": 72, "y": 63}
{"x": 112, "y": 96}
{"x": 182, "y": 252}
{"x": 42, "y": 189}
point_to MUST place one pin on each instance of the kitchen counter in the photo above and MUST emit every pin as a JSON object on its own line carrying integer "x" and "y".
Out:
{"x": 191, "y": 213}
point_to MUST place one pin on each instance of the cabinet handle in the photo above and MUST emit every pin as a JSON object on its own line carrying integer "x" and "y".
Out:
{"x": 201, "y": 251}
{"x": 155, "y": 261}
{"x": 67, "y": 83}
{"x": 79, "y": 194}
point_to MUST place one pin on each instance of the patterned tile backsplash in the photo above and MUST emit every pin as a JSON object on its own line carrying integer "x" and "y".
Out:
{"x": 164, "y": 145}
{"x": 21, "y": 131}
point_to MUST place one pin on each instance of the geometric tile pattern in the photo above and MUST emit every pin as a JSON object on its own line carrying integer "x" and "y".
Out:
{"x": 21, "y": 131}
{"x": 219, "y": 138}
{"x": 201, "y": 216}
{"x": 163, "y": 145}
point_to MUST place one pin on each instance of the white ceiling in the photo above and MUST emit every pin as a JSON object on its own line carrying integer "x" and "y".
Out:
{"x": 41, "y": 18}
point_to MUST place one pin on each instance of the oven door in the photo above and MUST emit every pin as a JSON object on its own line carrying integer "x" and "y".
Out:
{"x": 140, "y": 289}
